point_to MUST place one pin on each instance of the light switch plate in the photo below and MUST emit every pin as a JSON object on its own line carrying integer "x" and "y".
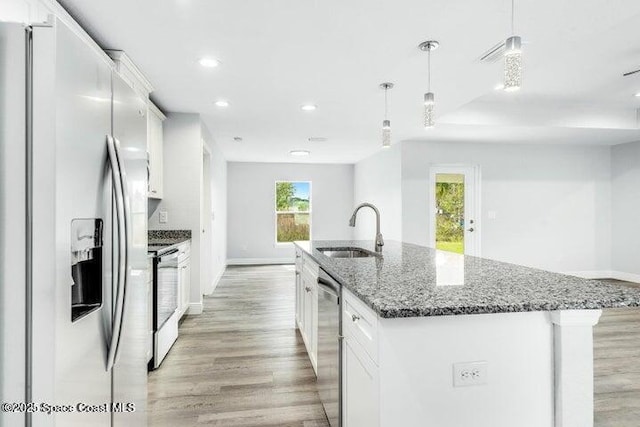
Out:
{"x": 163, "y": 217}
{"x": 470, "y": 373}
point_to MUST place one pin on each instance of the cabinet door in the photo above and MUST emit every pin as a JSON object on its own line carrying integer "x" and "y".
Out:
{"x": 185, "y": 287}
{"x": 298, "y": 290}
{"x": 310, "y": 318}
{"x": 360, "y": 382}
{"x": 308, "y": 314}
{"x": 314, "y": 321}
{"x": 155, "y": 152}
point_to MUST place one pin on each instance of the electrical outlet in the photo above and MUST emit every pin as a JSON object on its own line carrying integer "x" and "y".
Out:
{"x": 470, "y": 373}
{"x": 163, "y": 217}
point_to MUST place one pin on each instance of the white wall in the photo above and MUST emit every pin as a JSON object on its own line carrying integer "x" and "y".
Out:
{"x": 215, "y": 215}
{"x": 182, "y": 170}
{"x": 377, "y": 179}
{"x": 26, "y": 11}
{"x": 625, "y": 183}
{"x": 251, "y": 207}
{"x": 552, "y": 202}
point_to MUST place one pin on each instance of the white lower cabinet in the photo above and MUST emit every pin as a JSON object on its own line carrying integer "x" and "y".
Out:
{"x": 310, "y": 313}
{"x": 299, "y": 291}
{"x": 360, "y": 371}
{"x": 359, "y": 386}
{"x": 307, "y": 305}
{"x": 184, "y": 277}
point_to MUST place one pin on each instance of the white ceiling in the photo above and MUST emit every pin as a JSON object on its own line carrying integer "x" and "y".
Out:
{"x": 279, "y": 54}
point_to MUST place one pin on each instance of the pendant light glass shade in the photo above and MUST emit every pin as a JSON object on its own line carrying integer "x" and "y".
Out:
{"x": 429, "y": 104}
{"x": 429, "y": 98}
{"x": 513, "y": 64}
{"x": 386, "y": 123}
{"x": 386, "y": 133}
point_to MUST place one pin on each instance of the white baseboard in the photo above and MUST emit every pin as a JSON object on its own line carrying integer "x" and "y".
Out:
{"x": 606, "y": 274}
{"x": 216, "y": 280}
{"x": 195, "y": 308}
{"x": 629, "y": 277}
{"x": 591, "y": 274}
{"x": 260, "y": 261}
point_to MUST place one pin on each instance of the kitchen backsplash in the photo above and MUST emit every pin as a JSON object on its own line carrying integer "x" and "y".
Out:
{"x": 169, "y": 234}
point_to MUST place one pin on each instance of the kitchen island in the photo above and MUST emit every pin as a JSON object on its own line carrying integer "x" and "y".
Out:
{"x": 438, "y": 339}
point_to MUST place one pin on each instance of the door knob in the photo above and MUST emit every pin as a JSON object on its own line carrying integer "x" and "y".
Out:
{"x": 471, "y": 230}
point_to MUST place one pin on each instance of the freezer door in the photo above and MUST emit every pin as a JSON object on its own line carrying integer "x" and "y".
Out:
{"x": 71, "y": 120}
{"x": 12, "y": 219}
{"x": 130, "y": 369}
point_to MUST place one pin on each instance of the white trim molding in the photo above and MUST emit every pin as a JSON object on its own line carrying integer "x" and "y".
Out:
{"x": 216, "y": 280}
{"x": 195, "y": 308}
{"x": 573, "y": 355}
{"x": 591, "y": 274}
{"x": 627, "y": 277}
{"x": 260, "y": 261}
{"x": 605, "y": 274}
{"x": 130, "y": 72}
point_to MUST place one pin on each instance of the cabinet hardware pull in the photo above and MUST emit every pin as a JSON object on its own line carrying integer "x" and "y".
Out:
{"x": 308, "y": 289}
{"x": 355, "y": 317}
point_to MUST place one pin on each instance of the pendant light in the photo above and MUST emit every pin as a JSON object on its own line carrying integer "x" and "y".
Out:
{"x": 386, "y": 123}
{"x": 513, "y": 58}
{"x": 429, "y": 98}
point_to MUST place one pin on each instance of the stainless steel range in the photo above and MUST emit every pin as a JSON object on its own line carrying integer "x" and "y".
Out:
{"x": 165, "y": 301}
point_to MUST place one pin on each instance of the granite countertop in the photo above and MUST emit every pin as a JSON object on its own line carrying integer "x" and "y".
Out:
{"x": 410, "y": 281}
{"x": 161, "y": 240}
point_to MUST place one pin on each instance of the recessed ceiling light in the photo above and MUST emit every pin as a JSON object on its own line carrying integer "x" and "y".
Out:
{"x": 499, "y": 86}
{"x": 209, "y": 62}
{"x": 638, "y": 94}
{"x": 299, "y": 153}
{"x": 222, "y": 103}
{"x": 237, "y": 139}
{"x": 309, "y": 107}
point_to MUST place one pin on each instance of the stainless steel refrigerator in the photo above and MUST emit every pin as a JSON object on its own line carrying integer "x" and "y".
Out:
{"x": 73, "y": 233}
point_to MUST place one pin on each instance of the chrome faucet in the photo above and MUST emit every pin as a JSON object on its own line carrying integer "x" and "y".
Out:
{"x": 352, "y": 223}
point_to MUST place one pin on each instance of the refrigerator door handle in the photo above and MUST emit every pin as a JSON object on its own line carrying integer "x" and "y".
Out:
{"x": 121, "y": 271}
{"x": 126, "y": 209}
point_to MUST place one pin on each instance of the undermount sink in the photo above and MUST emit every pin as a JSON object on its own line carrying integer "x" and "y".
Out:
{"x": 347, "y": 253}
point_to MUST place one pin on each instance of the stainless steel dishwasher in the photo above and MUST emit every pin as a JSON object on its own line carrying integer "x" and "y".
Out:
{"x": 330, "y": 347}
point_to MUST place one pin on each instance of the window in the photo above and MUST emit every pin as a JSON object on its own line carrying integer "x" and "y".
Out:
{"x": 293, "y": 211}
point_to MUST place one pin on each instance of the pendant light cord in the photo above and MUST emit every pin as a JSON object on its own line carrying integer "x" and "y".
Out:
{"x": 429, "y": 70}
{"x": 385, "y": 102}
{"x": 513, "y": 31}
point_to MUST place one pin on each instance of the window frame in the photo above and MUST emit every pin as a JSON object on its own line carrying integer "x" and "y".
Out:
{"x": 276, "y": 212}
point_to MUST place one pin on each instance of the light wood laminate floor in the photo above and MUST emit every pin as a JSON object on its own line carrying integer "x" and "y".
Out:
{"x": 617, "y": 367}
{"x": 242, "y": 363}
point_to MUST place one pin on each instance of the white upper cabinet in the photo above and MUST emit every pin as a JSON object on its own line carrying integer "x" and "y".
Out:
{"x": 154, "y": 151}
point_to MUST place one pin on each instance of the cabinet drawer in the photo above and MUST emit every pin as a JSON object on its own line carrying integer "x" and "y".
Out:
{"x": 359, "y": 322}
{"x": 184, "y": 249}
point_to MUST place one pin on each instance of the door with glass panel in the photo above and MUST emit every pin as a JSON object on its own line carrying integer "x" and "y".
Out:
{"x": 454, "y": 209}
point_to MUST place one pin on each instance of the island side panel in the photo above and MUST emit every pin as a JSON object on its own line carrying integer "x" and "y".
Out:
{"x": 416, "y": 370}
{"x": 573, "y": 345}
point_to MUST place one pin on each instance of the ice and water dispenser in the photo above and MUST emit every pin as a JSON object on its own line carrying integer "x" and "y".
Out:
{"x": 86, "y": 266}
